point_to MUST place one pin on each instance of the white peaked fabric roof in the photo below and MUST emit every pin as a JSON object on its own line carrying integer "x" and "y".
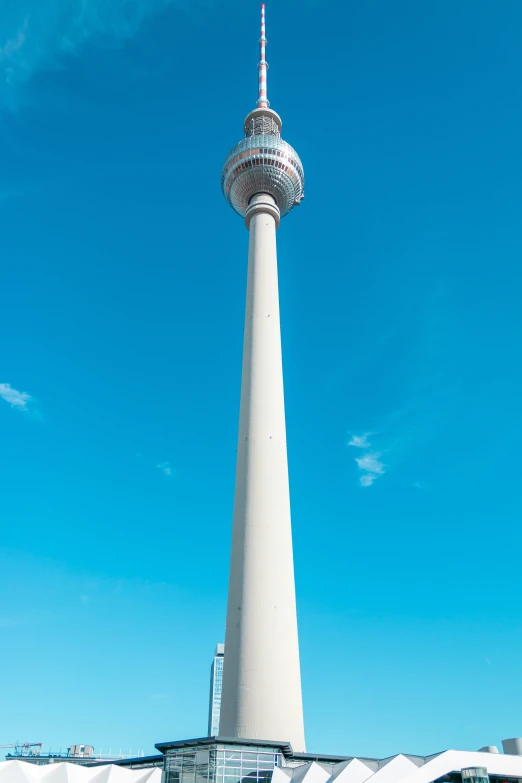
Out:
{"x": 402, "y": 768}
{"x": 24, "y": 772}
{"x": 313, "y": 773}
{"x": 353, "y": 771}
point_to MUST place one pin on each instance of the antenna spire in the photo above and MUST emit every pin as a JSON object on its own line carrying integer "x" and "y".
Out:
{"x": 262, "y": 101}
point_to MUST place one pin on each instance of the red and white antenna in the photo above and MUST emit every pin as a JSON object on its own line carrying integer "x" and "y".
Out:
{"x": 262, "y": 101}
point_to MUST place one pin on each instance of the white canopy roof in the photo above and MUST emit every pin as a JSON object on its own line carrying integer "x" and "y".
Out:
{"x": 24, "y": 772}
{"x": 408, "y": 769}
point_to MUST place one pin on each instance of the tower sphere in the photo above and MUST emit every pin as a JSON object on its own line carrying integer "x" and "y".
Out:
{"x": 263, "y": 163}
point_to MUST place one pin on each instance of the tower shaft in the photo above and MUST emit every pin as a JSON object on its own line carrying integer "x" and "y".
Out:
{"x": 261, "y": 681}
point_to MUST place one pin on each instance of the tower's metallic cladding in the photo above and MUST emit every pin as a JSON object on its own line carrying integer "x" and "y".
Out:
{"x": 262, "y": 180}
{"x": 263, "y": 163}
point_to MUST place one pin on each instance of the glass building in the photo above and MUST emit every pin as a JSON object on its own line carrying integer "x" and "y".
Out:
{"x": 219, "y": 763}
{"x": 224, "y": 760}
{"x": 216, "y": 686}
{"x": 475, "y": 775}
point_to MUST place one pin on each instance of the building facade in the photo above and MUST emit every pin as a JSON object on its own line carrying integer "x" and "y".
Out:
{"x": 216, "y": 687}
{"x": 225, "y": 760}
{"x": 222, "y": 760}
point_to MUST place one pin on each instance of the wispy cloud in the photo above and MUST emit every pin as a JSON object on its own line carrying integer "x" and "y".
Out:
{"x": 371, "y": 468}
{"x": 16, "y": 399}
{"x": 421, "y": 485}
{"x": 38, "y": 34}
{"x": 369, "y": 464}
{"x": 359, "y": 441}
{"x": 165, "y": 468}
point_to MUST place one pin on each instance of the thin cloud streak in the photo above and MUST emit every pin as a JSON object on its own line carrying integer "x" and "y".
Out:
{"x": 16, "y": 399}
{"x": 165, "y": 468}
{"x": 39, "y": 34}
{"x": 371, "y": 467}
{"x": 360, "y": 441}
{"x": 369, "y": 464}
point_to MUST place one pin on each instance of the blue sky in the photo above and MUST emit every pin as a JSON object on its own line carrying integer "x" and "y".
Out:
{"x": 123, "y": 286}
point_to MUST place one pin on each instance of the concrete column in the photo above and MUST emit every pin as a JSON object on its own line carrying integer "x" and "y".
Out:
{"x": 261, "y": 696}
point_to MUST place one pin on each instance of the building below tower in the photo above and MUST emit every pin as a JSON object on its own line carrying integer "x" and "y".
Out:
{"x": 225, "y": 760}
{"x": 216, "y": 687}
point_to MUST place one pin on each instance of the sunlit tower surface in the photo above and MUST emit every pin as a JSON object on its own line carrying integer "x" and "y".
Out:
{"x": 262, "y": 180}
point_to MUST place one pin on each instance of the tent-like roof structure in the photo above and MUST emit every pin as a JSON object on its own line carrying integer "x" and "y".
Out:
{"x": 403, "y": 768}
{"x": 23, "y": 772}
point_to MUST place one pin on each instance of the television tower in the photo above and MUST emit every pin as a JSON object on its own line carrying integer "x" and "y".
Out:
{"x": 262, "y": 180}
